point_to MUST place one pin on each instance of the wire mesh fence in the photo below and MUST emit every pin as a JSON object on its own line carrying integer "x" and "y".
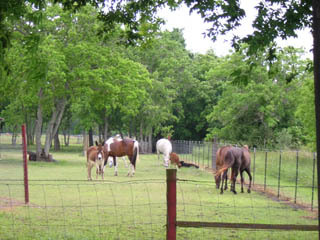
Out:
{"x": 64, "y": 207}
{"x": 289, "y": 175}
{"x": 199, "y": 202}
{"x": 80, "y": 210}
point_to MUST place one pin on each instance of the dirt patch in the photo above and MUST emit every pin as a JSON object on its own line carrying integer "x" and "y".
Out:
{"x": 9, "y": 204}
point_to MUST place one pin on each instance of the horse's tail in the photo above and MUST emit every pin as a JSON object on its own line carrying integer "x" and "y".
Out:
{"x": 222, "y": 170}
{"x": 135, "y": 153}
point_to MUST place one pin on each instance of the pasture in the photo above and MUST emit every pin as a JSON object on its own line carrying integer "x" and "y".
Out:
{"x": 64, "y": 205}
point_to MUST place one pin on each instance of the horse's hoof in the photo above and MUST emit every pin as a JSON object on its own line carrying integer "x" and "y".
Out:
{"x": 234, "y": 192}
{"x": 249, "y": 191}
{"x": 116, "y": 174}
{"x": 242, "y": 191}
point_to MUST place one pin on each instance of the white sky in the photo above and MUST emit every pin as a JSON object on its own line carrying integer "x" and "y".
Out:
{"x": 194, "y": 27}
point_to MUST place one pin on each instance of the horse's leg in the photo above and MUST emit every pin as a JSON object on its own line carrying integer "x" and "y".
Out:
{"x": 234, "y": 175}
{"x": 97, "y": 172}
{"x": 223, "y": 176}
{"x": 242, "y": 180}
{"x": 89, "y": 171}
{"x": 250, "y": 179}
{"x": 226, "y": 184}
{"x": 115, "y": 166}
{"x": 131, "y": 167}
{"x": 125, "y": 161}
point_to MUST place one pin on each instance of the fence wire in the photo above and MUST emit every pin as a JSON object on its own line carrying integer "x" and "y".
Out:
{"x": 285, "y": 191}
{"x": 129, "y": 210}
{"x": 201, "y": 202}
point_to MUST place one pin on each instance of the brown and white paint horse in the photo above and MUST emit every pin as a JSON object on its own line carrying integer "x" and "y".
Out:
{"x": 96, "y": 157}
{"x": 122, "y": 147}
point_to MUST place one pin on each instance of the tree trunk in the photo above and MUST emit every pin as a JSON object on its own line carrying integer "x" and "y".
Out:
{"x": 85, "y": 143}
{"x": 150, "y": 142}
{"x": 57, "y": 146}
{"x": 141, "y": 132}
{"x": 316, "y": 72}
{"x": 66, "y": 137}
{"x": 54, "y": 124}
{"x": 14, "y": 136}
{"x": 106, "y": 124}
{"x": 38, "y": 127}
{"x": 90, "y": 137}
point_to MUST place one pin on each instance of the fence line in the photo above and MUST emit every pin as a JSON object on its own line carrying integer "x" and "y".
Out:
{"x": 173, "y": 223}
{"x": 271, "y": 169}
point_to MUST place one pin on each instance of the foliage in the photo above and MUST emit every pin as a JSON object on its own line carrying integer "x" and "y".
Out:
{"x": 156, "y": 85}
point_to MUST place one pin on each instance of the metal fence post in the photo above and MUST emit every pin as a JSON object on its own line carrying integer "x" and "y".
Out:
{"x": 171, "y": 203}
{"x": 254, "y": 165}
{"x": 313, "y": 170}
{"x": 25, "y": 164}
{"x": 296, "y": 187}
{"x": 265, "y": 171}
{"x": 279, "y": 176}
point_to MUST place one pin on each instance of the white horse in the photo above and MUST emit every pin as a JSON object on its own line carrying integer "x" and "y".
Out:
{"x": 164, "y": 146}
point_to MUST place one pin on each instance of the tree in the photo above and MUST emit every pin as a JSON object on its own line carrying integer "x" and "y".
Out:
{"x": 276, "y": 18}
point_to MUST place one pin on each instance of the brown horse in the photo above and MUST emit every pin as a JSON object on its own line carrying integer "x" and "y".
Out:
{"x": 119, "y": 148}
{"x": 174, "y": 159}
{"x": 95, "y": 156}
{"x": 238, "y": 159}
{"x": 220, "y": 156}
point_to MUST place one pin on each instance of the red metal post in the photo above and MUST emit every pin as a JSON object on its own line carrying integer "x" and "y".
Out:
{"x": 25, "y": 165}
{"x": 171, "y": 203}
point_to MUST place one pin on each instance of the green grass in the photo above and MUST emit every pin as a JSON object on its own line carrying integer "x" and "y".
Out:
{"x": 64, "y": 205}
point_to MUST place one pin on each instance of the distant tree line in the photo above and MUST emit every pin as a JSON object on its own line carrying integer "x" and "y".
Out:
{"x": 65, "y": 74}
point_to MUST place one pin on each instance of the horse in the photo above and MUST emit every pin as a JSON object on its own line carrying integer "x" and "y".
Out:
{"x": 238, "y": 159}
{"x": 95, "y": 156}
{"x": 110, "y": 159}
{"x": 164, "y": 146}
{"x": 119, "y": 148}
{"x": 220, "y": 155}
{"x": 174, "y": 159}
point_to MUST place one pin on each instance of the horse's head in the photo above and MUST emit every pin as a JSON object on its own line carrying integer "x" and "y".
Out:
{"x": 100, "y": 157}
{"x": 217, "y": 178}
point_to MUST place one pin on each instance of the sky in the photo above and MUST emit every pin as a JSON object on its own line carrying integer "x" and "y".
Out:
{"x": 194, "y": 27}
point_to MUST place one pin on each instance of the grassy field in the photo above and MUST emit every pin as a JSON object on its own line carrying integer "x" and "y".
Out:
{"x": 64, "y": 205}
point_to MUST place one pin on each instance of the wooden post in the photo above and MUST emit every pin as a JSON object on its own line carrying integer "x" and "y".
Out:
{"x": 171, "y": 203}
{"x": 25, "y": 164}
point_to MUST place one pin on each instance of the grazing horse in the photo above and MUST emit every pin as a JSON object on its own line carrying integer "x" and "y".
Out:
{"x": 95, "y": 156}
{"x": 238, "y": 159}
{"x": 174, "y": 159}
{"x": 119, "y": 148}
{"x": 164, "y": 146}
{"x": 220, "y": 155}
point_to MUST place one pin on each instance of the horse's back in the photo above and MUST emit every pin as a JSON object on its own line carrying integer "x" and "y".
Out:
{"x": 91, "y": 151}
{"x": 164, "y": 146}
{"x": 220, "y": 155}
{"x": 246, "y": 159}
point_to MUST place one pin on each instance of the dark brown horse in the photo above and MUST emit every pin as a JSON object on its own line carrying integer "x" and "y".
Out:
{"x": 119, "y": 148}
{"x": 95, "y": 156}
{"x": 220, "y": 156}
{"x": 238, "y": 159}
